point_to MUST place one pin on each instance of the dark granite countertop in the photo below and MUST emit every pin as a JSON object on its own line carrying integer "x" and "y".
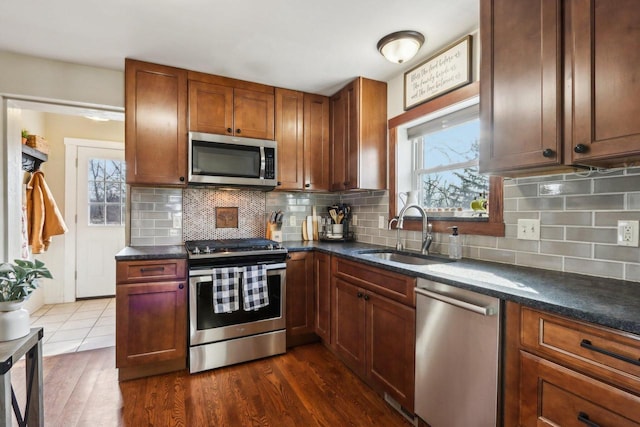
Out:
{"x": 136, "y": 253}
{"x": 608, "y": 302}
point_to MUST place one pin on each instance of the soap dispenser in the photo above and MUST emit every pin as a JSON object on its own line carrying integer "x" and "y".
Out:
{"x": 455, "y": 245}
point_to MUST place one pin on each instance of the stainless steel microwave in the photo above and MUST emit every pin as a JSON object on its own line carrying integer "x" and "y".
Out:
{"x": 229, "y": 161}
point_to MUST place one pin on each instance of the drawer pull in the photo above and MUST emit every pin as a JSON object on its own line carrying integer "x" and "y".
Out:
{"x": 584, "y": 418}
{"x": 587, "y": 344}
{"x": 151, "y": 269}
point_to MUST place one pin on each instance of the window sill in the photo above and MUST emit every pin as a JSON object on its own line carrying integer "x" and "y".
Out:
{"x": 476, "y": 226}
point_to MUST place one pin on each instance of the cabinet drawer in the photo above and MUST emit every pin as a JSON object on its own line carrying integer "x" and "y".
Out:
{"x": 607, "y": 354}
{"x": 556, "y": 396}
{"x": 392, "y": 285}
{"x": 143, "y": 271}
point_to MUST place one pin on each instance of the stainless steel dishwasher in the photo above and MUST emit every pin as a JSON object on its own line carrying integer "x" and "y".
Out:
{"x": 457, "y": 348}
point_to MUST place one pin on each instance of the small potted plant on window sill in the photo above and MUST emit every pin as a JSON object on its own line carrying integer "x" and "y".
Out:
{"x": 25, "y": 135}
{"x": 17, "y": 282}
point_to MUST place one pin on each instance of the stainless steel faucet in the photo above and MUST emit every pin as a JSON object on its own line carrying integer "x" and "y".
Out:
{"x": 427, "y": 237}
{"x": 398, "y": 243}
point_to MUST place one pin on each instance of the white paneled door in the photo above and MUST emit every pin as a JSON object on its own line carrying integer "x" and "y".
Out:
{"x": 100, "y": 209}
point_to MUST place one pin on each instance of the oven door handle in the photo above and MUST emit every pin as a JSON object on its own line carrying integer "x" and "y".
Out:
{"x": 208, "y": 273}
{"x": 199, "y": 279}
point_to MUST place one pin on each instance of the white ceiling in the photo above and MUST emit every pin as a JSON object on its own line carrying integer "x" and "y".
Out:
{"x": 314, "y": 46}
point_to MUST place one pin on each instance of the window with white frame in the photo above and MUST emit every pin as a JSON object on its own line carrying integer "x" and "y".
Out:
{"x": 107, "y": 192}
{"x": 444, "y": 173}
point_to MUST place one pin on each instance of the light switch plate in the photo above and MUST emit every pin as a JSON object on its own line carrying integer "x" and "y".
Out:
{"x": 529, "y": 229}
{"x": 292, "y": 221}
{"x": 381, "y": 223}
{"x": 628, "y": 233}
{"x": 354, "y": 219}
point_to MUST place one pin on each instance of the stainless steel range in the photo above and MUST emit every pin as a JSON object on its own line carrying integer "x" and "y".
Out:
{"x": 237, "y": 304}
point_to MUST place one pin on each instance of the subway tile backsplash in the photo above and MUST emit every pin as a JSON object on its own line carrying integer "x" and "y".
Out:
{"x": 156, "y": 216}
{"x": 578, "y": 215}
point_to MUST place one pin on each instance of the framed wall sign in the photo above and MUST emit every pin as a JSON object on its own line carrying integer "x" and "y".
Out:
{"x": 445, "y": 71}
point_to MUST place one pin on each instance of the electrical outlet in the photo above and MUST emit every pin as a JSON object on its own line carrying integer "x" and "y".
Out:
{"x": 354, "y": 219}
{"x": 292, "y": 221}
{"x": 628, "y": 233}
{"x": 529, "y": 229}
{"x": 381, "y": 223}
{"x": 177, "y": 220}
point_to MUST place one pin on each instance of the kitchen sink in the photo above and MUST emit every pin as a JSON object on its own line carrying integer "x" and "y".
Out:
{"x": 404, "y": 257}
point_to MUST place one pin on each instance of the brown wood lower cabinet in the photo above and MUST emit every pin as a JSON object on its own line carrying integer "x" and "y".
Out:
{"x": 151, "y": 317}
{"x": 300, "y": 311}
{"x": 373, "y": 334}
{"x": 563, "y": 372}
{"x": 322, "y": 283}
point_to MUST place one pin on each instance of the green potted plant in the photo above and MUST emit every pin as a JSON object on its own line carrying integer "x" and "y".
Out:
{"x": 25, "y": 135}
{"x": 17, "y": 282}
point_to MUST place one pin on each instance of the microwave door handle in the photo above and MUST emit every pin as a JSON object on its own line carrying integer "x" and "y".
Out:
{"x": 263, "y": 163}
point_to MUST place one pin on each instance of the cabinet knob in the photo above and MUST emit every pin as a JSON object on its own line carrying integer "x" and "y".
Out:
{"x": 307, "y": 185}
{"x": 366, "y": 297}
{"x": 346, "y": 183}
{"x": 360, "y": 294}
{"x": 181, "y": 179}
{"x": 580, "y": 148}
{"x": 548, "y": 152}
{"x": 237, "y": 130}
{"x": 279, "y": 183}
{"x": 288, "y": 256}
{"x": 180, "y": 286}
{"x": 229, "y": 130}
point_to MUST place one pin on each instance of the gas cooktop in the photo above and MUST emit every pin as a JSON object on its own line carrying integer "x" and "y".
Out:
{"x": 232, "y": 247}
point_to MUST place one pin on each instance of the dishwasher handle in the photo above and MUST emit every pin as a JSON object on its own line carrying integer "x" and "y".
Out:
{"x": 485, "y": 311}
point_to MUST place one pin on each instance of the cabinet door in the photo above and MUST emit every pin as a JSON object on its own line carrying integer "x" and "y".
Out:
{"x": 316, "y": 142}
{"x": 290, "y": 138}
{"x": 390, "y": 338}
{"x": 603, "y": 59}
{"x": 352, "y": 146}
{"x": 339, "y": 140}
{"x": 322, "y": 282}
{"x": 253, "y": 114}
{"x": 520, "y": 102}
{"x": 300, "y": 306}
{"x": 151, "y": 323}
{"x": 156, "y": 124}
{"x": 348, "y": 316}
{"x": 552, "y": 395}
{"x": 210, "y": 108}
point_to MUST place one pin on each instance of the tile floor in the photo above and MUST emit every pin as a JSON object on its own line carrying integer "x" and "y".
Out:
{"x": 77, "y": 326}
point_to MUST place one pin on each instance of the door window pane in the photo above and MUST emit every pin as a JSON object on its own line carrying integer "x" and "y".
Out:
{"x": 107, "y": 192}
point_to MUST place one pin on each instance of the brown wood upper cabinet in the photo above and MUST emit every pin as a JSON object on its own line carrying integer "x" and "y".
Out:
{"x": 156, "y": 124}
{"x": 358, "y": 129}
{"x": 560, "y": 85}
{"x": 230, "y": 107}
{"x": 302, "y": 133}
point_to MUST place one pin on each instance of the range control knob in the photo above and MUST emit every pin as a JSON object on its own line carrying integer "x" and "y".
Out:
{"x": 196, "y": 250}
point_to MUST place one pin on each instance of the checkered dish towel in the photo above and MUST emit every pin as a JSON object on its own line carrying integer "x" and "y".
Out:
{"x": 225, "y": 289}
{"x": 254, "y": 288}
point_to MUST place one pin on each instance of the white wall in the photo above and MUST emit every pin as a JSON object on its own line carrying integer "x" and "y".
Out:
{"x": 29, "y": 78}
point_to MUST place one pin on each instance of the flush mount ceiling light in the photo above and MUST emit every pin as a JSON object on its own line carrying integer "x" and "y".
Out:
{"x": 400, "y": 46}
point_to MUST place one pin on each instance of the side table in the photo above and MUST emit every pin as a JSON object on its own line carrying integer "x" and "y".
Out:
{"x": 11, "y": 352}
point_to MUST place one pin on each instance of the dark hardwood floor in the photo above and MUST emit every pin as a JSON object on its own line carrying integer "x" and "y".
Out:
{"x": 307, "y": 386}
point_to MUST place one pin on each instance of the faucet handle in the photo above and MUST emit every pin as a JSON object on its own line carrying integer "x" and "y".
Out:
{"x": 429, "y": 227}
